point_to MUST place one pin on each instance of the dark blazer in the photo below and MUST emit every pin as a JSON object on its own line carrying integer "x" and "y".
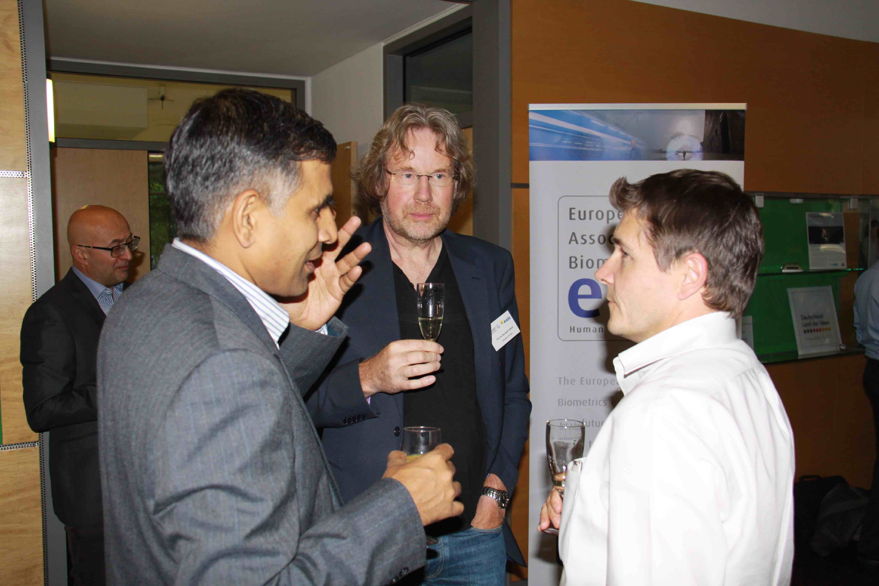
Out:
{"x": 357, "y": 436}
{"x": 59, "y": 343}
{"x": 213, "y": 472}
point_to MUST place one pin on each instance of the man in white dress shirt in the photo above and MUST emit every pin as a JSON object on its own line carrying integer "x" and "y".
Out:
{"x": 690, "y": 480}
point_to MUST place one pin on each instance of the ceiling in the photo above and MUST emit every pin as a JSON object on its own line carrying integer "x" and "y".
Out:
{"x": 272, "y": 37}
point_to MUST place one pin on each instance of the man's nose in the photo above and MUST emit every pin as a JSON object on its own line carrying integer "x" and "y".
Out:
{"x": 422, "y": 188}
{"x": 327, "y": 230}
{"x": 603, "y": 273}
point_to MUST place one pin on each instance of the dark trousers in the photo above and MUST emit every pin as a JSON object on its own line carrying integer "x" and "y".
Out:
{"x": 868, "y": 546}
{"x": 85, "y": 556}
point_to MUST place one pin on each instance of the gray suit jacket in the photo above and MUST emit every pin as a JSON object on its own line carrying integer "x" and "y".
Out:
{"x": 211, "y": 467}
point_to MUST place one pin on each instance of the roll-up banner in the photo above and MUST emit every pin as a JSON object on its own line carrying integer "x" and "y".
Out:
{"x": 576, "y": 152}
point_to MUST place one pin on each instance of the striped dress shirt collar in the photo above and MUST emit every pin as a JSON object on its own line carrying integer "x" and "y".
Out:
{"x": 105, "y": 296}
{"x": 274, "y": 317}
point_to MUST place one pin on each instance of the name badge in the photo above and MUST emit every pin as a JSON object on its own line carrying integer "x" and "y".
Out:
{"x": 503, "y": 329}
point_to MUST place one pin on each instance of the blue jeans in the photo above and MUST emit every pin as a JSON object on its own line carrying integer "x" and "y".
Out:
{"x": 472, "y": 557}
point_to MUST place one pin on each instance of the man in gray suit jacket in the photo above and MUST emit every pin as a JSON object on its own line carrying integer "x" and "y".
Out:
{"x": 211, "y": 468}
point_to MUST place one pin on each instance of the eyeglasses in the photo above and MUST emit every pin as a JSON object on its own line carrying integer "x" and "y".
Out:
{"x": 119, "y": 249}
{"x": 410, "y": 178}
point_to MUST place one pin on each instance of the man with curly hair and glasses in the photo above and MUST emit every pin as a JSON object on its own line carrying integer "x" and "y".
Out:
{"x": 470, "y": 382}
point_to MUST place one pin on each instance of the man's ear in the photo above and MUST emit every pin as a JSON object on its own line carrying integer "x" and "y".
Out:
{"x": 78, "y": 255}
{"x": 694, "y": 275}
{"x": 243, "y": 216}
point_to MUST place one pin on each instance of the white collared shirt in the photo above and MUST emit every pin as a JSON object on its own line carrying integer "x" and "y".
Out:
{"x": 273, "y": 316}
{"x": 690, "y": 480}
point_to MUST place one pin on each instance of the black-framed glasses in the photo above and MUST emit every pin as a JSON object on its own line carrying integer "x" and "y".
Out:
{"x": 119, "y": 249}
{"x": 411, "y": 178}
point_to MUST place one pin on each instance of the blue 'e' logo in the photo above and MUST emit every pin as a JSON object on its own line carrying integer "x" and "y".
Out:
{"x": 576, "y": 293}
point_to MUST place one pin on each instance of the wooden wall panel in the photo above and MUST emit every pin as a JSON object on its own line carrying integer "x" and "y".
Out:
{"x": 113, "y": 178}
{"x": 830, "y": 415}
{"x": 462, "y": 220}
{"x": 870, "y": 154}
{"x": 812, "y": 123}
{"x": 21, "y": 553}
{"x": 15, "y": 257}
{"x": 15, "y": 282}
{"x": 812, "y": 99}
{"x": 13, "y": 150}
{"x": 343, "y": 186}
{"x": 21, "y": 521}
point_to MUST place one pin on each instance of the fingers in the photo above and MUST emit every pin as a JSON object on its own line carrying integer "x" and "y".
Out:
{"x": 345, "y": 233}
{"x": 396, "y": 458}
{"x": 347, "y": 230}
{"x": 402, "y": 365}
{"x": 555, "y": 502}
{"x": 353, "y": 258}
{"x": 347, "y": 280}
{"x": 417, "y": 346}
{"x": 430, "y": 482}
{"x": 543, "y": 524}
{"x": 551, "y": 512}
{"x": 418, "y": 381}
{"x": 406, "y": 354}
{"x": 446, "y": 451}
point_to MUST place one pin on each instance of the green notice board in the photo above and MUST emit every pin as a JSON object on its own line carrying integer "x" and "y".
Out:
{"x": 770, "y": 309}
{"x": 785, "y": 235}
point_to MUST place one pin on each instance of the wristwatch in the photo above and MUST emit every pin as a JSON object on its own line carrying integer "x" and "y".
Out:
{"x": 501, "y": 496}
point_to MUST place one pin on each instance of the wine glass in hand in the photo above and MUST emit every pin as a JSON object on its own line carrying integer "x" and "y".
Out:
{"x": 417, "y": 441}
{"x": 564, "y": 444}
{"x": 429, "y": 307}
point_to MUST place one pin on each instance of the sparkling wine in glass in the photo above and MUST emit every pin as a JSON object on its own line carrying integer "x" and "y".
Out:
{"x": 429, "y": 305}
{"x": 564, "y": 444}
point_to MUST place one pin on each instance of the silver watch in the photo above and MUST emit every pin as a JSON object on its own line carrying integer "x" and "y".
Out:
{"x": 501, "y": 496}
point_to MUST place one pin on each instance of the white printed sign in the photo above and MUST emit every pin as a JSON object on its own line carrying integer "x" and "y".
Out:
{"x": 577, "y": 152}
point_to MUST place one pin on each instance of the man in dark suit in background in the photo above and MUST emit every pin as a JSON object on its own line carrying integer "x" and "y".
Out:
{"x": 472, "y": 384}
{"x": 59, "y": 342}
{"x": 212, "y": 470}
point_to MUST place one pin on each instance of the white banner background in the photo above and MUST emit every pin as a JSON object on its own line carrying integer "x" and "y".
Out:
{"x": 570, "y": 225}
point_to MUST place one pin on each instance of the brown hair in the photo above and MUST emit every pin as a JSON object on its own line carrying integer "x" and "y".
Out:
{"x": 371, "y": 176}
{"x": 700, "y": 211}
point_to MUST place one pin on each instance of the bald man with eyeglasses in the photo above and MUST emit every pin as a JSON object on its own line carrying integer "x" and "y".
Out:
{"x": 59, "y": 343}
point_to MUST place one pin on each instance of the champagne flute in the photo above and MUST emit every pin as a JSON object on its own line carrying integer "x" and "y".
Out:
{"x": 564, "y": 444}
{"x": 429, "y": 307}
{"x": 417, "y": 441}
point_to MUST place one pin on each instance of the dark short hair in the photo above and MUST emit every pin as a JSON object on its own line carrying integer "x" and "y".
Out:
{"x": 700, "y": 211}
{"x": 235, "y": 140}
{"x": 371, "y": 177}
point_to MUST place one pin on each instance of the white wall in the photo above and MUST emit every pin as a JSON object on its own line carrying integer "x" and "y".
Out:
{"x": 852, "y": 19}
{"x": 348, "y": 97}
